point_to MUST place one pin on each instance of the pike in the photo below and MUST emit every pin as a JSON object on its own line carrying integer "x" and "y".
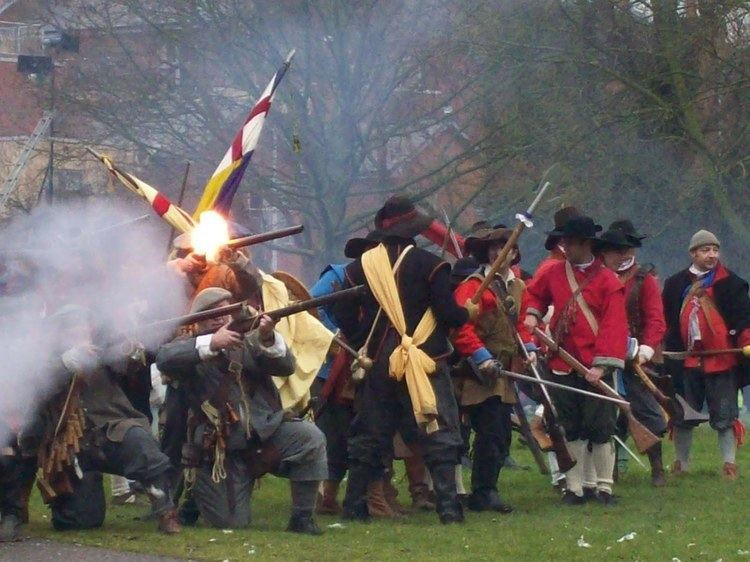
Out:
{"x": 556, "y": 431}
{"x": 246, "y": 321}
{"x": 524, "y": 222}
{"x": 643, "y": 438}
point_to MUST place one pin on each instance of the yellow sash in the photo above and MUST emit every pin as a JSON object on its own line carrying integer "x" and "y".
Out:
{"x": 407, "y": 360}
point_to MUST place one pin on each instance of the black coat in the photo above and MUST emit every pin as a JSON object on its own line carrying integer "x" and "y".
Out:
{"x": 731, "y": 298}
{"x": 423, "y": 282}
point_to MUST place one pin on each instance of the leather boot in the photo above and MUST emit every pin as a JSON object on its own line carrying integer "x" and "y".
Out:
{"x": 355, "y": 499}
{"x": 168, "y": 523}
{"x": 658, "y": 479}
{"x": 327, "y": 504}
{"x": 484, "y": 474}
{"x": 416, "y": 474}
{"x": 377, "y": 505}
{"x": 448, "y": 506}
{"x": 302, "y": 522}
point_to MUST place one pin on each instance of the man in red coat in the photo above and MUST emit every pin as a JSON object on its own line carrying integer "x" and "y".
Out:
{"x": 707, "y": 308}
{"x": 589, "y": 321}
{"x": 618, "y": 246}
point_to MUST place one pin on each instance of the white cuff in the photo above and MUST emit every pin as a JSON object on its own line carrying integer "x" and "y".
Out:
{"x": 278, "y": 349}
{"x": 645, "y": 352}
{"x": 203, "y": 345}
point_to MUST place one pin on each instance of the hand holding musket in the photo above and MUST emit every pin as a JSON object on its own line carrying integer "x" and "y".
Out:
{"x": 556, "y": 431}
{"x": 643, "y": 438}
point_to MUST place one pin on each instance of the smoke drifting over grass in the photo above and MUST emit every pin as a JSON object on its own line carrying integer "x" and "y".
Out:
{"x": 94, "y": 256}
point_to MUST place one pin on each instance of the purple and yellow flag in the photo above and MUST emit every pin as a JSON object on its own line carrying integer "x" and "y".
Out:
{"x": 225, "y": 181}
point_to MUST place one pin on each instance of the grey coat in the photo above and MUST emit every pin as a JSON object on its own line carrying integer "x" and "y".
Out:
{"x": 202, "y": 379}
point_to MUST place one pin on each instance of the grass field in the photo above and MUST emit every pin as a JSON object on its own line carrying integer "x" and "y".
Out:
{"x": 696, "y": 517}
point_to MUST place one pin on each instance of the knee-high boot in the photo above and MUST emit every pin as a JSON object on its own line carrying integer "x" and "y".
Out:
{"x": 449, "y": 508}
{"x": 355, "y": 499}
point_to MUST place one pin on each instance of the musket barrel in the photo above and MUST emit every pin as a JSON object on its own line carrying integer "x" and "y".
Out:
{"x": 264, "y": 237}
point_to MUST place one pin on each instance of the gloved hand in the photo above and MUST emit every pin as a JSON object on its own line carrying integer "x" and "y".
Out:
{"x": 490, "y": 370}
{"x": 645, "y": 354}
{"x": 472, "y": 308}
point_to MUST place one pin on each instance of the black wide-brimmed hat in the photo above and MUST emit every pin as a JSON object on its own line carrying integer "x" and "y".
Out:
{"x": 621, "y": 234}
{"x": 562, "y": 216}
{"x": 484, "y": 235}
{"x": 577, "y": 227}
{"x": 463, "y": 268}
{"x": 399, "y": 217}
{"x": 355, "y": 247}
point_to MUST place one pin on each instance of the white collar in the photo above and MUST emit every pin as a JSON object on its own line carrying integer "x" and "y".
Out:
{"x": 627, "y": 265}
{"x": 508, "y": 274}
{"x": 697, "y": 272}
{"x": 584, "y": 266}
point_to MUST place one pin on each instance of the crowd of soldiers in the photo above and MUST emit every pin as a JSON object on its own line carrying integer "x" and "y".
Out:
{"x": 426, "y": 367}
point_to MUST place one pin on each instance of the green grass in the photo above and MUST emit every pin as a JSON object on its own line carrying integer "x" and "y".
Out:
{"x": 697, "y": 517}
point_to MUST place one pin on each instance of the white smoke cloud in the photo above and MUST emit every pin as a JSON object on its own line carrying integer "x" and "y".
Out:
{"x": 92, "y": 255}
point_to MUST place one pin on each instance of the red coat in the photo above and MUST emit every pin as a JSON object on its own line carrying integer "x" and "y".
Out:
{"x": 652, "y": 325}
{"x": 465, "y": 339}
{"x": 605, "y": 295}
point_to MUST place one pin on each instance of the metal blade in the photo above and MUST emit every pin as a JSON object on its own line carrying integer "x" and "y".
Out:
{"x": 527, "y": 378}
{"x": 688, "y": 413}
{"x": 630, "y": 452}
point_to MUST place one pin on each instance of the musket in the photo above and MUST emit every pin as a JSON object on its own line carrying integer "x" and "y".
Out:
{"x": 556, "y": 431}
{"x": 524, "y": 222}
{"x": 518, "y": 376}
{"x": 643, "y": 438}
{"x": 246, "y": 321}
{"x": 664, "y": 401}
{"x": 264, "y": 237}
{"x": 682, "y": 355}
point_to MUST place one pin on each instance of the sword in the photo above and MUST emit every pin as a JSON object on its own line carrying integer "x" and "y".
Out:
{"x": 552, "y": 384}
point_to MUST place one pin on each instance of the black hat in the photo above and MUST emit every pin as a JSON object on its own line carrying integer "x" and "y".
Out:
{"x": 483, "y": 236}
{"x": 399, "y": 217}
{"x": 562, "y": 216}
{"x": 578, "y": 227}
{"x": 463, "y": 268}
{"x": 355, "y": 247}
{"x": 627, "y": 228}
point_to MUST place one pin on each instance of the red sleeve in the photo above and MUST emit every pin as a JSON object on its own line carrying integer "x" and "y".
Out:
{"x": 523, "y": 331}
{"x": 465, "y": 339}
{"x": 652, "y": 313}
{"x": 538, "y": 292}
{"x": 612, "y": 340}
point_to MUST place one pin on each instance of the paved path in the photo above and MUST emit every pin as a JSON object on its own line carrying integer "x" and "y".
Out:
{"x": 41, "y": 550}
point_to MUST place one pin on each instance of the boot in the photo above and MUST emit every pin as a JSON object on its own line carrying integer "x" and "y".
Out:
{"x": 302, "y": 522}
{"x": 355, "y": 499}
{"x": 730, "y": 471}
{"x": 484, "y": 474}
{"x": 377, "y": 505}
{"x": 327, "y": 504}
{"x": 9, "y": 527}
{"x": 658, "y": 478}
{"x": 416, "y": 473}
{"x": 168, "y": 523}
{"x": 448, "y": 507}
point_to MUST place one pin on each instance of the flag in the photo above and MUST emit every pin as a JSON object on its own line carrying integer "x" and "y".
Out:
{"x": 163, "y": 207}
{"x": 225, "y": 181}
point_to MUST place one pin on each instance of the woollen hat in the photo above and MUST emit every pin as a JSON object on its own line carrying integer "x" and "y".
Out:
{"x": 703, "y": 238}
{"x": 209, "y": 298}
